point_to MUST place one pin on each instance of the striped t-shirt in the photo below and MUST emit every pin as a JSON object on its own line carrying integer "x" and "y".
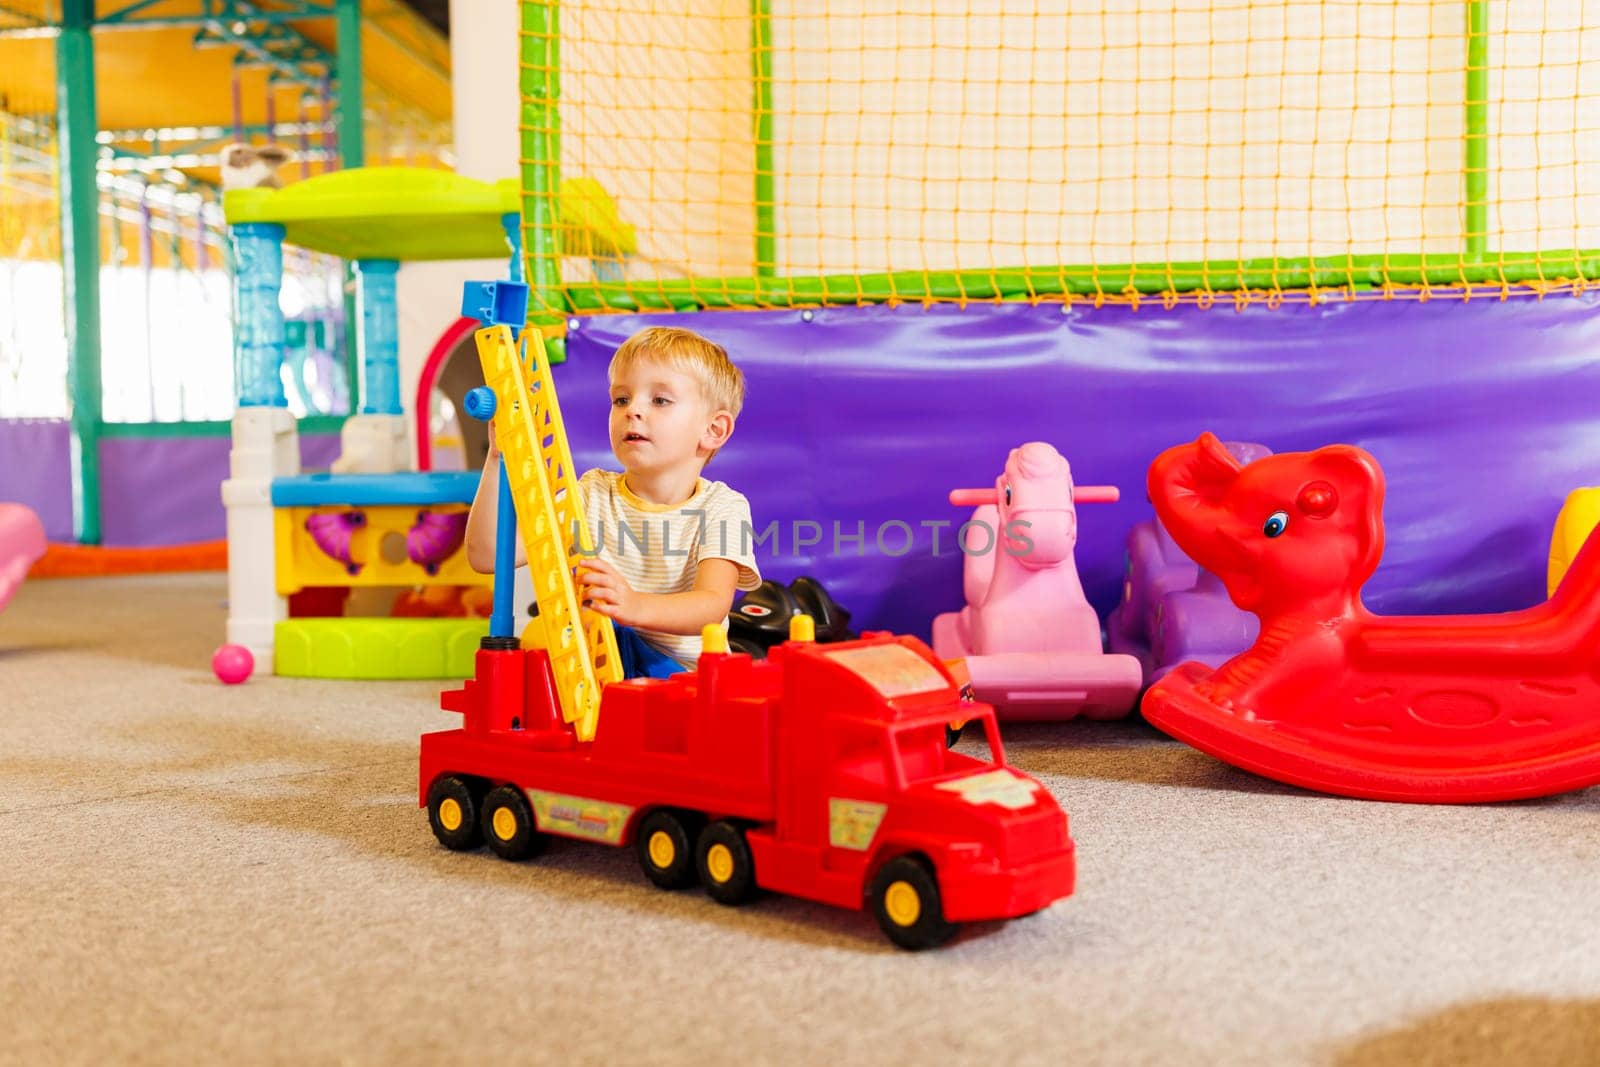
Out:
{"x": 658, "y": 547}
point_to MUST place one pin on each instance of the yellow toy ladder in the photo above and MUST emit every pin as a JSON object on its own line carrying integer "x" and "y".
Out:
{"x": 538, "y": 463}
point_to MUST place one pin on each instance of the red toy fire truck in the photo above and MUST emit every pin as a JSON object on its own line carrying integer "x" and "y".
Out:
{"x": 821, "y": 771}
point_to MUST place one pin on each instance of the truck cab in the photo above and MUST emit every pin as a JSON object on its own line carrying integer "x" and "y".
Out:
{"x": 874, "y": 808}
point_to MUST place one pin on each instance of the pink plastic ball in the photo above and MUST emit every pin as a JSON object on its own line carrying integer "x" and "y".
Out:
{"x": 232, "y": 664}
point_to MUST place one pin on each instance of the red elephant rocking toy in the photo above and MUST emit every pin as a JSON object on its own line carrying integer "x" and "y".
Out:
{"x": 1332, "y": 697}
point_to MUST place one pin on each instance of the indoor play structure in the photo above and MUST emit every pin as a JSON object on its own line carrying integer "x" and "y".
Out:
{"x": 1336, "y": 698}
{"x": 932, "y": 300}
{"x": 1029, "y": 637}
{"x": 1171, "y": 611}
{"x": 911, "y": 296}
{"x": 820, "y": 771}
{"x": 905, "y": 304}
{"x": 114, "y": 265}
{"x": 373, "y": 522}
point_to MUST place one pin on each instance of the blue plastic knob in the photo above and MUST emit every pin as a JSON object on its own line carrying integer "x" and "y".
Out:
{"x": 480, "y": 403}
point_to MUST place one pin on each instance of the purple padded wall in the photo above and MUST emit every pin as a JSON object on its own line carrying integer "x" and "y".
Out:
{"x": 36, "y": 470}
{"x": 154, "y": 491}
{"x": 1483, "y": 414}
{"x": 162, "y": 491}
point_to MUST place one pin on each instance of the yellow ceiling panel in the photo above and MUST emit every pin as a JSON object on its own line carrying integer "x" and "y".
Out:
{"x": 157, "y": 77}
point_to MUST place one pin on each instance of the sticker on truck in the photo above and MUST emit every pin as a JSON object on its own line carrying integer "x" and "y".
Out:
{"x": 1010, "y": 791}
{"x": 852, "y": 824}
{"x": 893, "y": 670}
{"x": 592, "y": 820}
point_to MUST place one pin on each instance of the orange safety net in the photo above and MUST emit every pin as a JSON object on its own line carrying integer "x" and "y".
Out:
{"x": 769, "y": 153}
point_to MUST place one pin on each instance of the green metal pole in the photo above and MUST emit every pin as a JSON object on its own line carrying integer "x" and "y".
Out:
{"x": 761, "y": 75}
{"x": 351, "y": 123}
{"x": 352, "y": 128}
{"x": 541, "y": 167}
{"x": 1476, "y": 162}
{"x": 80, "y": 254}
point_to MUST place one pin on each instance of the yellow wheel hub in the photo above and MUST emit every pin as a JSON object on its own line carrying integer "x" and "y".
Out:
{"x": 662, "y": 851}
{"x": 505, "y": 824}
{"x": 719, "y": 863}
{"x": 903, "y": 904}
{"x": 450, "y": 814}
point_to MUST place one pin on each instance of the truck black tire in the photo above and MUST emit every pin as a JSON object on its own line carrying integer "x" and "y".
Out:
{"x": 453, "y": 813}
{"x": 508, "y": 825}
{"x": 904, "y": 897}
{"x": 722, "y": 858}
{"x": 666, "y": 847}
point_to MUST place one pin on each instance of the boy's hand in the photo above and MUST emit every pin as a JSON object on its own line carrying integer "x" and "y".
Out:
{"x": 494, "y": 445}
{"x": 607, "y": 591}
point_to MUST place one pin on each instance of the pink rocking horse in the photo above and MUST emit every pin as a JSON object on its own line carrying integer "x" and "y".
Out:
{"x": 1030, "y": 639}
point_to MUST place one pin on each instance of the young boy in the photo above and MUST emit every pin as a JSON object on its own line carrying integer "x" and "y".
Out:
{"x": 673, "y": 546}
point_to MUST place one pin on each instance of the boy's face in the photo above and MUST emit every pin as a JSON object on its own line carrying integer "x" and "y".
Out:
{"x": 659, "y": 419}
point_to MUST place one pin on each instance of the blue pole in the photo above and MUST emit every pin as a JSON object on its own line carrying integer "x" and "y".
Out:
{"x": 505, "y": 545}
{"x": 505, "y": 558}
{"x": 378, "y": 343}
{"x": 258, "y": 342}
{"x": 480, "y": 404}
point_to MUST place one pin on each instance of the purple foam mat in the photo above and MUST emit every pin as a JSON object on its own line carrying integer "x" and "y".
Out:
{"x": 1484, "y": 415}
{"x": 154, "y": 491}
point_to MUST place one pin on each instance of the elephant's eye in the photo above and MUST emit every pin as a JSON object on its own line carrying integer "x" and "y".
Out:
{"x": 1277, "y": 522}
{"x": 1007, "y": 488}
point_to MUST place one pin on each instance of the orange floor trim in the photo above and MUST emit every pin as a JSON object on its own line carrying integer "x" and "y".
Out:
{"x": 66, "y": 560}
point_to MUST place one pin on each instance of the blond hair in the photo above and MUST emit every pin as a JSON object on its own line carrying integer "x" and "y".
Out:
{"x": 721, "y": 383}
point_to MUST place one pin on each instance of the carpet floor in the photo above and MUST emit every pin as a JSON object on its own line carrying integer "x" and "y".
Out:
{"x": 198, "y": 873}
